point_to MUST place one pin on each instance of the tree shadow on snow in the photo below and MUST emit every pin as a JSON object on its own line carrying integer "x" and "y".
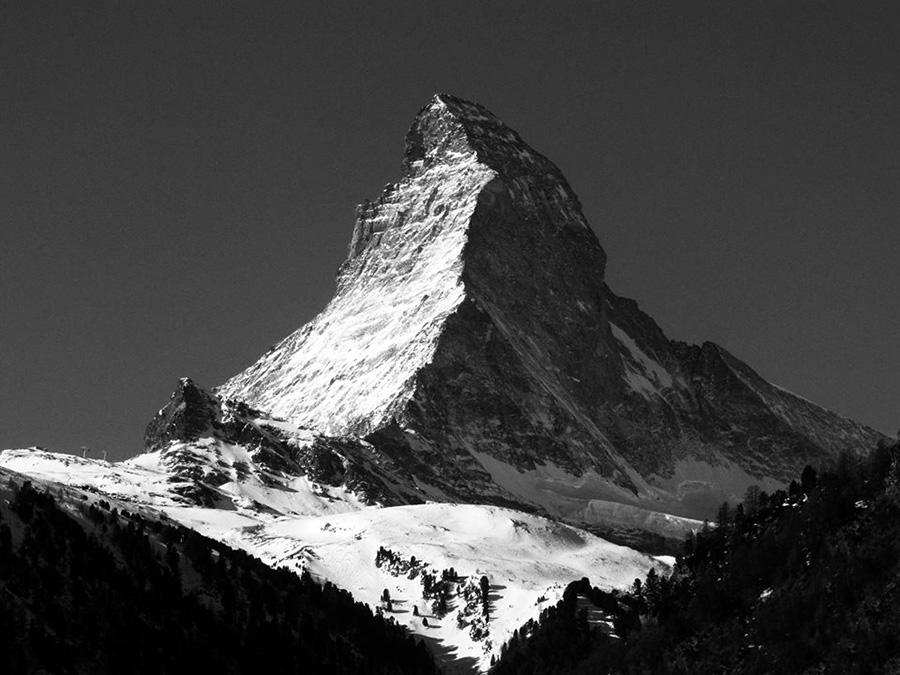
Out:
{"x": 493, "y": 593}
{"x": 446, "y": 657}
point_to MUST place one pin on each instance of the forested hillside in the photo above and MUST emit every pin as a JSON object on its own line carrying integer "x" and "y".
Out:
{"x": 86, "y": 588}
{"x": 800, "y": 581}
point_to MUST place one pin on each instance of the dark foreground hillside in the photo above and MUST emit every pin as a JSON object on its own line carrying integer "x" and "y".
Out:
{"x": 89, "y": 589}
{"x": 802, "y": 581}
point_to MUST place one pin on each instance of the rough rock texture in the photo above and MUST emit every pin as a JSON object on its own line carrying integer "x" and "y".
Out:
{"x": 190, "y": 432}
{"x": 473, "y": 341}
{"x": 687, "y": 404}
{"x": 189, "y": 413}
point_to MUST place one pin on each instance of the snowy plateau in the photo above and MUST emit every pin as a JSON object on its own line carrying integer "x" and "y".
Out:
{"x": 473, "y": 402}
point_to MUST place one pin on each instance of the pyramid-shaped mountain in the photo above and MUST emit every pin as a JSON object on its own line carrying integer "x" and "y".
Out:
{"x": 472, "y": 340}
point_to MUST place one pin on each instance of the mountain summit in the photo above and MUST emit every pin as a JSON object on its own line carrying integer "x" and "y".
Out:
{"x": 472, "y": 339}
{"x": 469, "y": 228}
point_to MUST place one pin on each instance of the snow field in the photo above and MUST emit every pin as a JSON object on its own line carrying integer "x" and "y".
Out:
{"x": 527, "y": 559}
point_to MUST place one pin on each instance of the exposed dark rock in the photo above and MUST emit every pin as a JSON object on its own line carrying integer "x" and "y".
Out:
{"x": 190, "y": 412}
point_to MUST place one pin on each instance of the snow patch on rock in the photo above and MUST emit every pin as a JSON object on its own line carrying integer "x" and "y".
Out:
{"x": 642, "y": 373}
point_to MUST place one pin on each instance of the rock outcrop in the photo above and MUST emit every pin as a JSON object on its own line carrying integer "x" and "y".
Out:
{"x": 198, "y": 435}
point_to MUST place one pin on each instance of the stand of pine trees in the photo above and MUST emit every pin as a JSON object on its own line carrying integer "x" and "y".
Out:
{"x": 801, "y": 581}
{"x": 94, "y": 590}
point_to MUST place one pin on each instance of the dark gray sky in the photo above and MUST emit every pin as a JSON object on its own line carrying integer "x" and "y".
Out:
{"x": 178, "y": 180}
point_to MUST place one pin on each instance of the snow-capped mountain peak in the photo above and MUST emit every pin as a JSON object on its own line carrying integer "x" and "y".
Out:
{"x": 473, "y": 340}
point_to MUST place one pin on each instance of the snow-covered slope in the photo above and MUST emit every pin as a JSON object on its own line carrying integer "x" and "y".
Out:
{"x": 528, "y": 560}
{"x": 148, "y": 480}
{"x": 354, "y": 366}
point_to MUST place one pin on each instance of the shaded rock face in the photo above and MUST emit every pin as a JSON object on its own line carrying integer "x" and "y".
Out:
{"x": 473, "y": 341}
{"x": 687, "y": 402}
{"x": 190, "y": 412}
